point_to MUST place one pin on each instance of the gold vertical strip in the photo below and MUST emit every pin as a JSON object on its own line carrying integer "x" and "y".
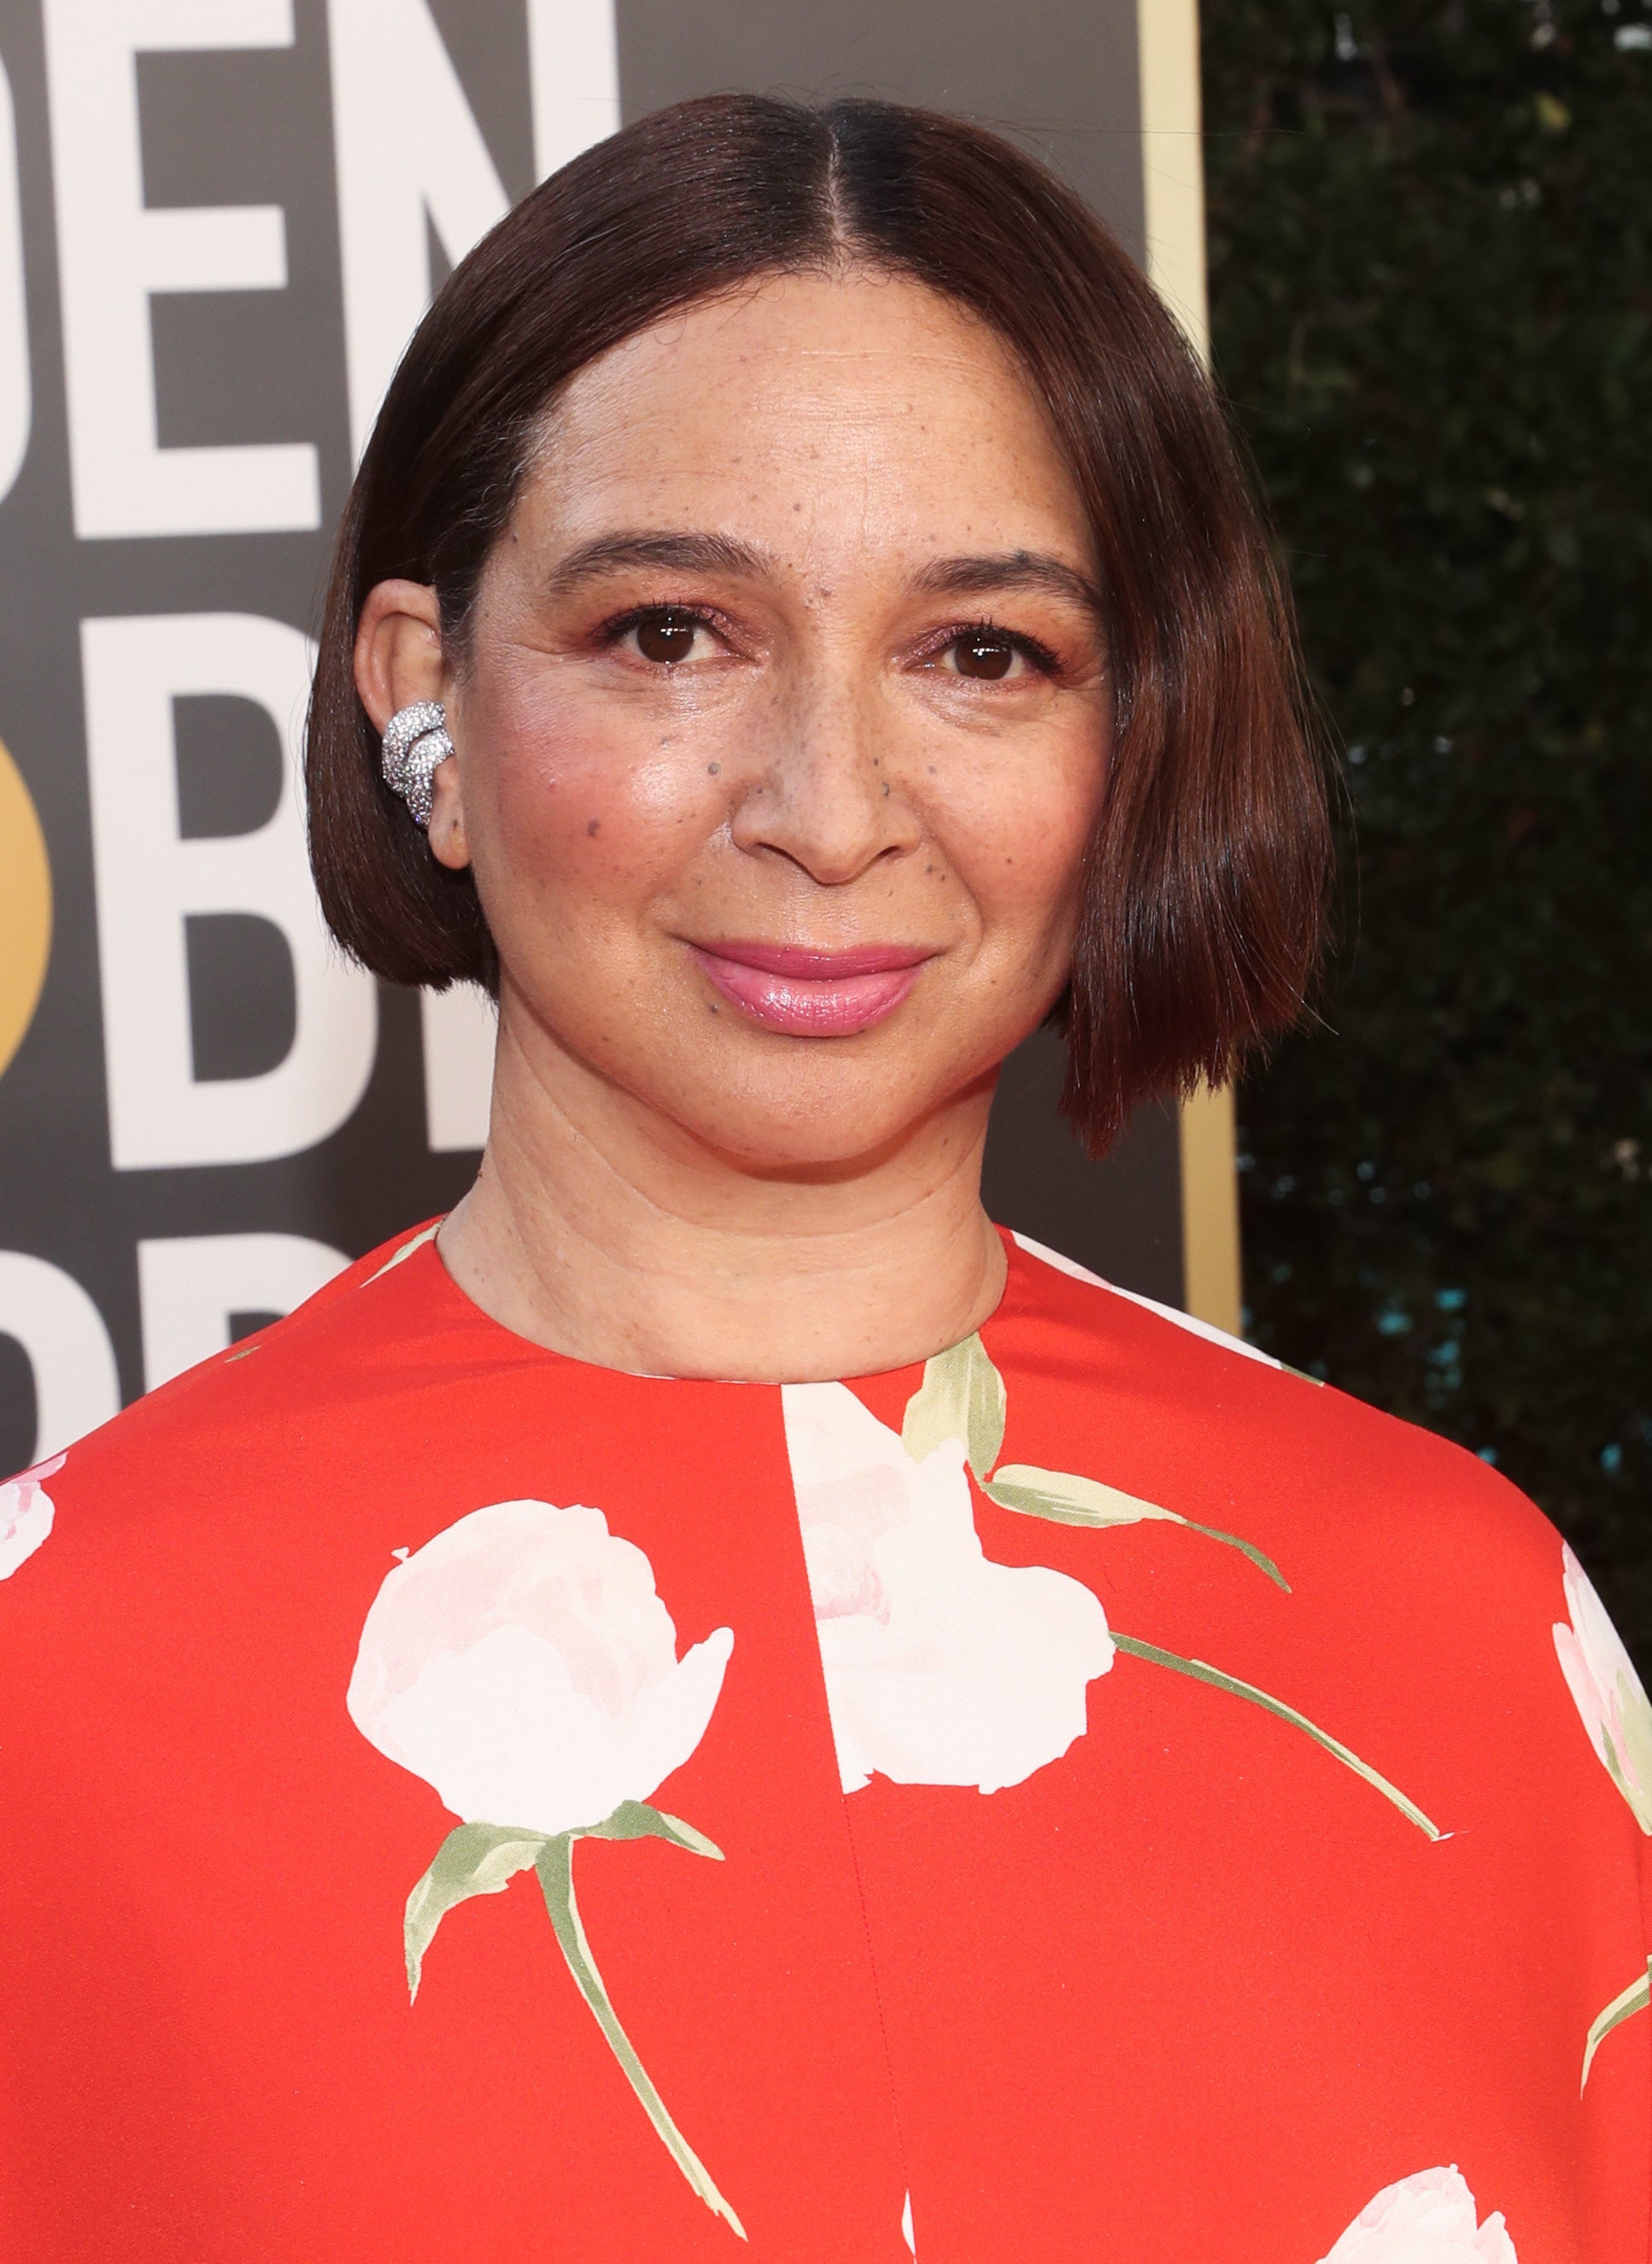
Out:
{"x": 1172, "y": 160}
{"x": 1211, "y": 1284}
{"x": 1173, "y": 196}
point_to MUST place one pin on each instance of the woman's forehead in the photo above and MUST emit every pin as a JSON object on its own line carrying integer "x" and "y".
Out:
{"x": 839, "y": 400}
{"x": 854, "y": 326}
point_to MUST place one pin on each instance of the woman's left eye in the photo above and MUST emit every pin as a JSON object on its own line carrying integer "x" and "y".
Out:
{"x": 987, "y": 657}
{"x": 667, "y": 638}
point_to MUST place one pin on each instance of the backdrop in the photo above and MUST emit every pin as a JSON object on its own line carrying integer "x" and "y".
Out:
{"x": 220, "y": 220}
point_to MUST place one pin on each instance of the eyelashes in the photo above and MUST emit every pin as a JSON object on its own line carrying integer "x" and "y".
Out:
{"x": 985, "y": 637}
{"x": 667, "y": 633}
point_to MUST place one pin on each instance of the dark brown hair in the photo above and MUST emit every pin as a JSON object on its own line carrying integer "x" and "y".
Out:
{"x": 1204, "y": 886}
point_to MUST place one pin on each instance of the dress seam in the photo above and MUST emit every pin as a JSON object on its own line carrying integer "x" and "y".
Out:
{"x": 796, "y": 1529}
{"x": 877, "y": 1999}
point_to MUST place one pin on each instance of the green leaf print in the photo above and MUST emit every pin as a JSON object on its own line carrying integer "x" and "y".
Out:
{"x": 482, "y": 1859}
{"x": 1218, "y": 1681}
{"x": 1634, "y": 1999}
{"x": 962, "y": 1397}
{"x": 477, "y": 1859}
{"x": 555, "y": 1868}
{"x": 634, "y": 1819}
{"x": 1068, "y": 1500}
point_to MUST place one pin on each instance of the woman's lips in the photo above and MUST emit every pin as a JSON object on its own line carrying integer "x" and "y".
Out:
{"x": 814, "y": 994}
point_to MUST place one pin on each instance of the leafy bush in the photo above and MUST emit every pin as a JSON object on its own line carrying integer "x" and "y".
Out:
{"x": 1431, "y": 277}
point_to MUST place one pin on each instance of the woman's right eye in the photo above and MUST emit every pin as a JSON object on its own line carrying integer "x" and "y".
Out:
{"x": 665, "y": 638}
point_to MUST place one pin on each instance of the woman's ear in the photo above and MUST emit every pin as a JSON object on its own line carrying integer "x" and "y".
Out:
{"x": 398, "y": 663}
{"x": 398, "y": 659}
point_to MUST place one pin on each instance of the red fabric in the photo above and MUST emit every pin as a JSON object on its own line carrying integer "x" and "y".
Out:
{"x": 1192, "y": 1992}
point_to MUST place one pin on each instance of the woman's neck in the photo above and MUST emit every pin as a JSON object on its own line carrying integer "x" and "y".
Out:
{"x": 598, "y": 1231}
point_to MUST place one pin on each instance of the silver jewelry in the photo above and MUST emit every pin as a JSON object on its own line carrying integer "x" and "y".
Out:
{"x": 415, "y": 741}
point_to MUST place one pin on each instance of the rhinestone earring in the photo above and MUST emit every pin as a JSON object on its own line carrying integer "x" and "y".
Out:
{"x": 415, "y": 742}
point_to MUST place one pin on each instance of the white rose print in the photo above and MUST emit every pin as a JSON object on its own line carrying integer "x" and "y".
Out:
{"x": 941, "y": 1666}
{"x": 523, "y": 1664}
{"x": 1613, "y": 1704}
{"x": 27, "y": 1511}
{"x": 1429, "y": 2217}
{"x": 1606, "y": 1689}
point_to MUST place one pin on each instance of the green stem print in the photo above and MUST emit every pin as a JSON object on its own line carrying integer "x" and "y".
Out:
{"x": 962, "y": 1396}
{"x": 1634, "y": 1999}
{"x": 1218, "y": 1681}
{"x": 1067, "y": 1500}
{"x": 481, "y": 1859}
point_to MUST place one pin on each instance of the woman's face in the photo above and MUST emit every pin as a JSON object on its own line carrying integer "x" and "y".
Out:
{"x": 784, "y": 721}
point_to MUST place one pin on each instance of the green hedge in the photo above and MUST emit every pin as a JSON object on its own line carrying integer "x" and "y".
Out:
{"x": 1431, "y": 240}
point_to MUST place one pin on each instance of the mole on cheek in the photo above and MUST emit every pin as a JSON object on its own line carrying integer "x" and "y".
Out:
{"x": 593, "y": 825}
{"x": 711, "y": 769}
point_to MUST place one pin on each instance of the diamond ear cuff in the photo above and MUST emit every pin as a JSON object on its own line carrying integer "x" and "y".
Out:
{"x": 415, "y": 742}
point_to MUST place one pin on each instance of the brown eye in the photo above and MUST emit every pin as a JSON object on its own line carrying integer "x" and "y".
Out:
{"x": 984, "y": 657}
{"x": 667, "y": 638}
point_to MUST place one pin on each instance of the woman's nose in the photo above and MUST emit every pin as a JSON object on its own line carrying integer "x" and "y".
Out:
{"x": 826, "y": 792}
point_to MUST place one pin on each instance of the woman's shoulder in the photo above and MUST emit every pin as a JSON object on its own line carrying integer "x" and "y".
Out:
{"x": 218, "y": 1417}
{"x": 1216, "y": 1421}
{"x": 1391, "y": 1572}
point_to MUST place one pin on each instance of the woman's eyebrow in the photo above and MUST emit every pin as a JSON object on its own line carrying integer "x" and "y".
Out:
{"x": 693, "y": 552}
{"x": 679, "y": 553}
{"x": 1011, "y": 570}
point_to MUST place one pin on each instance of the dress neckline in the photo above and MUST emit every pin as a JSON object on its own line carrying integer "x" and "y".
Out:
{"x": 420, "y": 1250}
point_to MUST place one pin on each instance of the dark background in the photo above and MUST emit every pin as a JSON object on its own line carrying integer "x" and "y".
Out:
{"x": 1431, "y": 292}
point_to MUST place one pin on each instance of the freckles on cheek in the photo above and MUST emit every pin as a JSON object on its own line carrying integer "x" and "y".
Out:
{"x": 553, "y": 794}
{"x": 1024, "y": 864}
{"x": 663, "y": 808}
{"x": 601, "y": 801}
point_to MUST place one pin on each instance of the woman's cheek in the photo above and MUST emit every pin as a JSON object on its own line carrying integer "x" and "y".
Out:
{"x": 1021, "y": 855}
{"x": 595, "y": 813}
{"x": 1053, "y": 840}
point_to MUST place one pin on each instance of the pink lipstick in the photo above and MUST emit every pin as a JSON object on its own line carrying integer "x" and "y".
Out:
{"x": 812, "y": 994}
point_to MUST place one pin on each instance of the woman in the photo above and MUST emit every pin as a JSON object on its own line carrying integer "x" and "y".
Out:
{"x": 1075, "y": 1791}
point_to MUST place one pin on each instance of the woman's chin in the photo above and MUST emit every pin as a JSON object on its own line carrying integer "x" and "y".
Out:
{"x": 824, "y": 1126}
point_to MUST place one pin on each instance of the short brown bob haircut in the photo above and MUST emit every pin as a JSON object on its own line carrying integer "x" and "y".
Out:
{"x": 1204, "y": 888}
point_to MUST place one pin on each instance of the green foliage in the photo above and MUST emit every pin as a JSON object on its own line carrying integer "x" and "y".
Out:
{"x": 1430, "y": 229}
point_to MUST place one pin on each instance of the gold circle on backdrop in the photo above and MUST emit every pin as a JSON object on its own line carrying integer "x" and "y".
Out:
{"x": 26, "y": 908}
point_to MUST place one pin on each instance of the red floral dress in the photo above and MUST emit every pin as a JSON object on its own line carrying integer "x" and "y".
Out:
{"x": 1097, "y": 1795}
